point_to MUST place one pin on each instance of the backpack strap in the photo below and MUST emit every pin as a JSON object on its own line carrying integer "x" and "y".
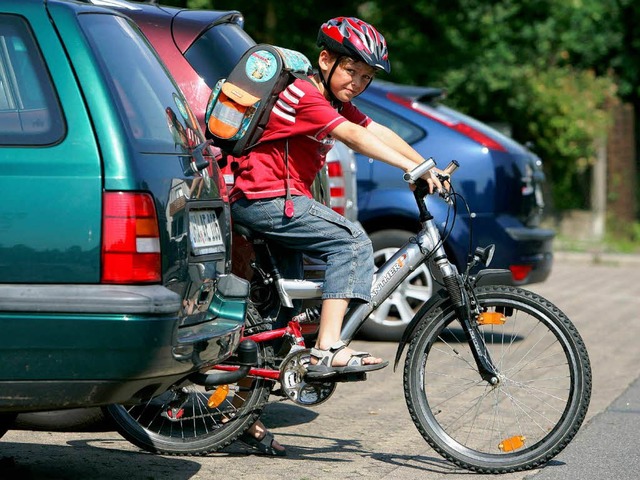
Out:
{"x": 288, "y": 203}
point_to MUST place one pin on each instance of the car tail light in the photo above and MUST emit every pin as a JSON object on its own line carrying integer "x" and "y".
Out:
{"x": 453, "y": 123}
{"x": 337, "y": 187}
{"x": 130, "y": 239}
{"x": 520, "y": 272}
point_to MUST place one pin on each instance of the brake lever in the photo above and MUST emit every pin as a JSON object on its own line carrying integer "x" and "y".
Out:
{"x": 445, "y": 176}
{"x": 446, "y": 196}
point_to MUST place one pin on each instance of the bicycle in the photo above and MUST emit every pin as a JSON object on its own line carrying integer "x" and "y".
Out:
{"x": 496, "y": 378}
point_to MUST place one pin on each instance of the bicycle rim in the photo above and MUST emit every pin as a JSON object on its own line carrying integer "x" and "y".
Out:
{"x": 530, "y": 415}
{"x": 182, "y": 421}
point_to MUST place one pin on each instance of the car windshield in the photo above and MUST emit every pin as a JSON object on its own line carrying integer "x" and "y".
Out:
{"x": 150, "y": 103}
{"x": 225, "y": 42}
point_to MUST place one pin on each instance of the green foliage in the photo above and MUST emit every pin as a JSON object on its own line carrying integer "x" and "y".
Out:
{"x": 526, "y": 62}
{"x": 622, "y": 237}
{"x": 567, "y": 111}
{"x": 550, "y": 68}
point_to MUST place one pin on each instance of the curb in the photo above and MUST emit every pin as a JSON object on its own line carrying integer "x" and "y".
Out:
{"x": 599, "y": 258}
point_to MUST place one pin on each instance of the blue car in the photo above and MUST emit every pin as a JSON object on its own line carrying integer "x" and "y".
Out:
{"x": 500, "y": 179}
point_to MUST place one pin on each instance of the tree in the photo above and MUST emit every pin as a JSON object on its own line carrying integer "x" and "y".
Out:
{"x": 550, "y": 68}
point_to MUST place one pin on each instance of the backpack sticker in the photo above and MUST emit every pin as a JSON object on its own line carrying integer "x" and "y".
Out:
{"x": 261, "y": 66}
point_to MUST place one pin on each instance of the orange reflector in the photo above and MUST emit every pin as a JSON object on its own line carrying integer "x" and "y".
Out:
{"x": 218, "y": 396}
{"x": 511, "y": 444}
{"x": 491, "y": 318}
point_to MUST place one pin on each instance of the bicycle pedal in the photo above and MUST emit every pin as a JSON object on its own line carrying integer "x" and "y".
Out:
{"x": 337, "y": 377}
{"x": 349, "y": 377}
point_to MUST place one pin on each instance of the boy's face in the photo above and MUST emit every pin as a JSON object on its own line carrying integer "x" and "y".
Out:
{"x": 350, "y": 77}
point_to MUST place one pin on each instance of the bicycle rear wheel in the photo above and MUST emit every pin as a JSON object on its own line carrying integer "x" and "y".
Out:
{"x": 189, "y": 420}
{"x": 181, "y": 421}
{"x": 539, "y": 402}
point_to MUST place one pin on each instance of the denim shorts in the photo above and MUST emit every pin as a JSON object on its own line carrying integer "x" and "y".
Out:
{"x": 319, "y": 232}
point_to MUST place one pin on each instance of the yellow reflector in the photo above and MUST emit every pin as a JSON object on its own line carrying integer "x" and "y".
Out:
{"x": 511, "y": 444}
{"x": 491, "y": 318}
{"x": 218, "y": 396}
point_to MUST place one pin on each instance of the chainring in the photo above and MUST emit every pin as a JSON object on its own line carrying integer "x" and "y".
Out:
{"x": 292, "y": 371}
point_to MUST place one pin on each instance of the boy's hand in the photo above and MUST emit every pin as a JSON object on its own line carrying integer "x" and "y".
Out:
{"x": 438, "y": 180}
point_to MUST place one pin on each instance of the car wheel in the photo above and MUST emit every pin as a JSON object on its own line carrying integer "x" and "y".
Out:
{"x": 389, "y": 321}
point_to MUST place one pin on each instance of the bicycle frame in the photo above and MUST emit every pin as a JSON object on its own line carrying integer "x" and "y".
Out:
{"x": 386, "y": 279}
{"x": 417, "y": 250}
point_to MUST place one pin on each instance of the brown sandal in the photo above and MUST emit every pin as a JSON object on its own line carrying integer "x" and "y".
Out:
{"x": 264, "y": 444}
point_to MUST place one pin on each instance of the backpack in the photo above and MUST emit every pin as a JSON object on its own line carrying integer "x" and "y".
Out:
{"x": 239, "y": 106}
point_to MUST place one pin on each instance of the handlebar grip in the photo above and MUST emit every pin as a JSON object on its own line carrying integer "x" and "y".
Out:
{"x": 416, "y": 173}
{"x": 452, "y": 167}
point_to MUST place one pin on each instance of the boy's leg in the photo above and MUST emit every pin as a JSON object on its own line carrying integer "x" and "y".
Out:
{"x": 333, "y": 310}
{"x": 344, "y": 247}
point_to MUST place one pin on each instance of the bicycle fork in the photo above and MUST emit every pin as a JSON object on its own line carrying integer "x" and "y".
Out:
{"x": 460, "y": 299}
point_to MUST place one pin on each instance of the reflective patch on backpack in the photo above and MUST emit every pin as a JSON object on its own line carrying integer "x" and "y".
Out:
{"x": 232, "y": 111}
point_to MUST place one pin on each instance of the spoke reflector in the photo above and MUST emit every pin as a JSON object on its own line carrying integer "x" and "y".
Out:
{"x": 491, "y": 318}
{"x": 511, "y": 444}
{"x": 218, "y": 396}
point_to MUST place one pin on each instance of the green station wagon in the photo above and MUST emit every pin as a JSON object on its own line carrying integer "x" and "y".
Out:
{"x": 114, "y": 221}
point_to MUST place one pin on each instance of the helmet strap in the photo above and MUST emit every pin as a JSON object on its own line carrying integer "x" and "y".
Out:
{"x": 327, "y": 81}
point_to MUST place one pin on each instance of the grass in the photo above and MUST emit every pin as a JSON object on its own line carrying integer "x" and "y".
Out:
{"x": 611, "y": 243}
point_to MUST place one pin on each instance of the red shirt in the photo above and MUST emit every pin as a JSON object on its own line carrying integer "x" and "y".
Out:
{"x": 306, "y": 118}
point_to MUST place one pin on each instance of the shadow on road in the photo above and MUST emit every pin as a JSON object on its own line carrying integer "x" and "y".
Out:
{"x": 94, "y": 458}
{"x": 276, "y": 415}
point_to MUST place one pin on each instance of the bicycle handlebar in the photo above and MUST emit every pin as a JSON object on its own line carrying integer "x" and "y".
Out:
{"x": 416, "y": 173}
{"x": 452, "y": 167}
{"x": 424, "y": 167}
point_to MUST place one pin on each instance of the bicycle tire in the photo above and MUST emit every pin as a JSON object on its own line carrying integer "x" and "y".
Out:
{"x": 200, "y": 429}
{"x": 533, "y": 412}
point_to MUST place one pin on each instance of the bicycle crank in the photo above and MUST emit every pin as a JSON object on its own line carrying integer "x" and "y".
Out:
{"x": 294, "y": 386}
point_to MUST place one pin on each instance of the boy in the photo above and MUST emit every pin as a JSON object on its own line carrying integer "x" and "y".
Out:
{"x": 302, "y": 127}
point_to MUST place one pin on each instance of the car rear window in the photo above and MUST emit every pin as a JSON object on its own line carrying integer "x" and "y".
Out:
{"x": 30, "y": 113}
{"x": 150, "y": 103}
{"x": 214, "y": 54}
{"x": 409, "y": 132}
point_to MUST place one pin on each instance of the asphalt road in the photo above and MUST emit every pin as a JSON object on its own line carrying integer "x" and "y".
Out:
{"x": 364, "y": 430}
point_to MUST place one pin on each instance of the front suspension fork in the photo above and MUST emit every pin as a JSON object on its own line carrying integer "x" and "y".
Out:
{"x": 460, "y": 299}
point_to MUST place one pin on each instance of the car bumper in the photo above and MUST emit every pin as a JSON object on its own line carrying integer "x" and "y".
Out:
{"x": 68, "y": 346}
{"x": 534, "y": 249}
{"x": 526, "y": 251}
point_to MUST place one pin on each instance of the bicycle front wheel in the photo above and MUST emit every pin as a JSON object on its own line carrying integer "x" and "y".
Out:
{"x": 539, "y": 402}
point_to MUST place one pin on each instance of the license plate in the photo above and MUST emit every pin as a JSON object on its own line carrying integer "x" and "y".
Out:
{"x": 204, "y": 232}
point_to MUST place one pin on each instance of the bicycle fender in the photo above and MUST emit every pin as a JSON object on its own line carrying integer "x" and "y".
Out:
{"x": 493, "y": 276}
{"x": 437, "y": 299}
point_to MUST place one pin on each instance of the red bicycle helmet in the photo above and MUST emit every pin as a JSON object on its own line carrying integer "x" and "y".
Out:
{"x": 357, "y": 39}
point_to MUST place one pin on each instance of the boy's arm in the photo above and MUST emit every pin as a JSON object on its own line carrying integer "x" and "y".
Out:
{"x": 380, "y": 143}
